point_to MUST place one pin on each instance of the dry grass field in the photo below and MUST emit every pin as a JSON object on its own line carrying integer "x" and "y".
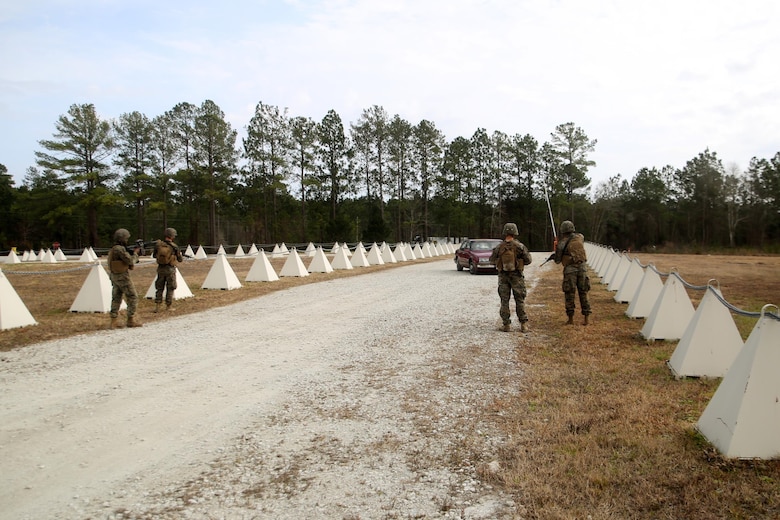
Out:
{"x": 601, "y": 429}
{"x": 597, "y": 428}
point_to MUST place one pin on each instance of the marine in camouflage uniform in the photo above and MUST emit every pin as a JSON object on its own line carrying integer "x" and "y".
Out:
{"x": 166, "y": 269}
{"x": 570, "y": 252}
{"x": 120, "y": 263}
{"x": 510, "y": 257}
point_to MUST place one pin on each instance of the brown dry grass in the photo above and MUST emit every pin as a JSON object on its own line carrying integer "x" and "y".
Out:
{"x": 600, "y": 429}
{"x": 48, "y": 297}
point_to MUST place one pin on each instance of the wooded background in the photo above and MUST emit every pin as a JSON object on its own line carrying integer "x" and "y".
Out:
{"x": 296, "y": 180}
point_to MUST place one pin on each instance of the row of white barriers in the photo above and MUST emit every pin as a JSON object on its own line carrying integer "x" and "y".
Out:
{"x": 94, "y": 296}
{"x": 742, "y": 420}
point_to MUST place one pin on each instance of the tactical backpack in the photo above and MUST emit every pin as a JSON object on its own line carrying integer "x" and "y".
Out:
{"x": 576, "y": 247}
{"x": 508, "y": 258}
{"x": 164, "y": 252}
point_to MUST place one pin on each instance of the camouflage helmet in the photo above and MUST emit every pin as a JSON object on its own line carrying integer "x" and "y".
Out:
{"x": 567, "y": 226}
{"x": 121, "y": 236}
{"x": 510, "y": 228}
{"x": 170, "y": 232}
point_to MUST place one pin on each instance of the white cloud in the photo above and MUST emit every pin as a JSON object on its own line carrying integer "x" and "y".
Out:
{"x": 654, "y": 82}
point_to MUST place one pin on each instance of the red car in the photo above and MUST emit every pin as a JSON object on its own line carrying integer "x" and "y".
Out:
{"x": 475, "y": 253}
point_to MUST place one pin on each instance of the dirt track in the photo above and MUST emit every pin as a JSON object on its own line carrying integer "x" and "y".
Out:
{"x": 362, "y": 397}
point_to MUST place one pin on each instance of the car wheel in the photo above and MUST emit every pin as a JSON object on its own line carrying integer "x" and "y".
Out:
{"x": 458, "y": 265}
{"x": 472, "y": 267}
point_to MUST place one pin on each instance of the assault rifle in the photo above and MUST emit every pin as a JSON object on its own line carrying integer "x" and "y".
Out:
{"x": 139, "y": 245}
{"x": 551, "y": 257}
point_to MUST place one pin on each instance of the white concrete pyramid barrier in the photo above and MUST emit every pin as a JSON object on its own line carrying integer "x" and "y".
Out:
{"x": 646, "y": 295}
{"x": 606, "y": 269}
{"x": 85, "y": 256}
{"x": 261, "y": 270}
{"x": 12, "y": 258}
{"x": 399, "y": 252}
{"x": 26, "y": 256}
{"x": 341, "y": 259}
{"x": 359, "y": 258}
{"x": 252, "y": 250}
{"x": 374, "y": 256}
{"x": 48, "y": 257}
{"x": 39, "y": 256}
{"x": 409, "y": 251}
{"x": 276, "y": 252}
{"x": 613, "y": 267}
{"x": 742, "y": 420}
{"x": 200, "y": 254}
{"x": 182, "y": 289}
{"x": 239, "y": 252}
{"x": 189, "y": 253}
{"x": 671, "y": 314}
{"x": 319, "y": 263}
{"x": 417, "y": 252}
{"x": 598, "y": 265}
{"x": 95, "y": 293}
{"x": 426, "y": 250}
{"x": 630, "y": 283}
{"x": 293, "y": 266}
{"x": 347, "y": 250}
{"x": 311, "y": 250}
{"x": 59, "y": 255}
{"x": 710, "y": 343}
{"x": 93, "y": 254}
{"x": 13, "y": 311}
{"x": 620, "y": 274}
{"x": 361, "y": 247}
{"x": 334, "y": 249}
{"x": 221, "y": 250}
{"x": 284, "y": 249}
{"x": 388, "y": 257}
{"x": 221, "y": 276}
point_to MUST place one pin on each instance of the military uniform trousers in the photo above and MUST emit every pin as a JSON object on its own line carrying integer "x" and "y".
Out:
{"x": 122, "y": 285}
{"x": 512, "y": 283}
{"x": 166, "y": 277}
{"x": 576, "y": 281}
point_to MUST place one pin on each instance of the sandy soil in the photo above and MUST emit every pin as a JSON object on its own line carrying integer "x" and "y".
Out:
{"x": 363, "y": 397}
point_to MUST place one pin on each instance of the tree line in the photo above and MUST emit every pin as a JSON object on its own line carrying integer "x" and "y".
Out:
{"x": 298, "y": 180}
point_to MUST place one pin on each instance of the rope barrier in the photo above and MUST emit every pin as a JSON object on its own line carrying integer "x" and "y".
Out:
{"x": 58, "y": 271}
{"x": 73, "y": 269}
{"x": 729, "y": 306}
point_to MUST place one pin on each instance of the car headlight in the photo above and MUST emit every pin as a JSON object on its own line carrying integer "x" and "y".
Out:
{"x": 484, "y": 260}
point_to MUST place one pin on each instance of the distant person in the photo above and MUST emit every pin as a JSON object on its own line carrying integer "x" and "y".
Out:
{"x": 120, "y": 263}
{"x": 510, "y": 257}
{"x": 168, "y": 255}
{"x": 570, "y": 252}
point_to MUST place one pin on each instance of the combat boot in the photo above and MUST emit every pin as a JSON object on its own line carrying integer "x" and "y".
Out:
{"x": 156, "y": 307}
{"x": 570, "y": 321}
{"x": 169, "y": 307}
{"x": 524, "y": 327}
{"x": 114, "y": 323}
{"x": 585, "y": 321}
{"x": 132, "y": 323}
{"x": 505, "y": 327}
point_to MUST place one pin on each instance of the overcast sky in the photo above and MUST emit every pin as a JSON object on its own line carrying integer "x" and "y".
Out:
{"x": 655, "y": 82}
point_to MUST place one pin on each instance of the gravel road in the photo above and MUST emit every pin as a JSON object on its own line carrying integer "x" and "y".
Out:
{"x": 365, "y": 397}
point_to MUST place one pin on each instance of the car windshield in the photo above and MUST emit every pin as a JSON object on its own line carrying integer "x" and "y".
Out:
{"x": 484, "y": 245}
